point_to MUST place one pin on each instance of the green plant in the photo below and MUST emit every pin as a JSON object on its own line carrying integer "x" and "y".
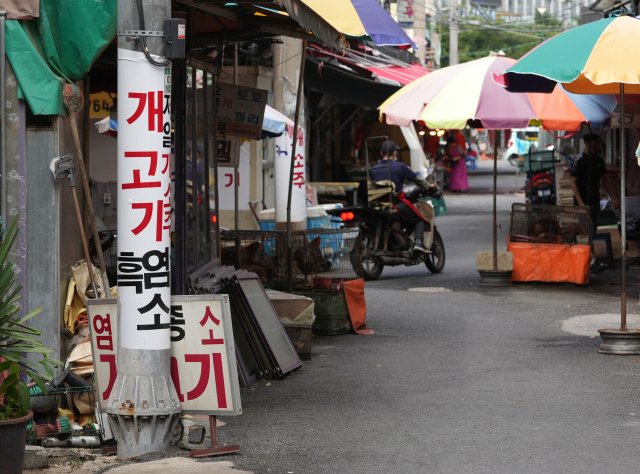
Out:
{"x": 16, "y": 339}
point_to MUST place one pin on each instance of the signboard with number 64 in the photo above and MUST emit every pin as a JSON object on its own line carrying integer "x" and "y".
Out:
{"x": 203, "y": 358}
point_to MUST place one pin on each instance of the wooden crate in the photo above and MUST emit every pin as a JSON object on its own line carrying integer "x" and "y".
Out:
{"x": 301, "y": 339}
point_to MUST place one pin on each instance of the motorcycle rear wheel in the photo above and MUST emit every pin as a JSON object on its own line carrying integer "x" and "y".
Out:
{"x": 435, "y": 260}
{"x": 370, "y": 266}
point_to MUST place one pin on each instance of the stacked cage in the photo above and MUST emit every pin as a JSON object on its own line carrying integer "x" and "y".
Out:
{"x": 252, "y": 250}
{"x": 538, "y": 223}
{"x": 322, "y": 258}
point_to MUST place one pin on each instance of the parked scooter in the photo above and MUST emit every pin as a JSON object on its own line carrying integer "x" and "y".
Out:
{"x": 385, "y": 236}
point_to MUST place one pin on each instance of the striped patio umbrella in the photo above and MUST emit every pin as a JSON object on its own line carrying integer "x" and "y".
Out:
{"x": 596, "y": 58}
{"x": 362, "y": 19}
{"x": 466, "y": 94}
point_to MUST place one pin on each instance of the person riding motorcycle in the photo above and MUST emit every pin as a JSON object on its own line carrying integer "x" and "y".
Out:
{"x": 399, "y": 173}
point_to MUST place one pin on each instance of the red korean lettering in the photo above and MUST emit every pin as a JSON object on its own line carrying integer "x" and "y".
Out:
{"x": 212, "y": 340}
{"x": 148, "y": 214}
{"x": 142, "y": 101}
{"x": 105, "y": 323}
{"x": 148, "y": 211}
{"x": 218, "y": 373}
{"x": 209, "y": 315}
{"x": 205, "y": 371}
{"x": 104, "y": 343}
{"x": 155, "y": 111}
{"x": 113, "y": 373}
{"x": 175, "y": 376}
{"x": 166, "y": 165}
{"x": 153, "y": 166}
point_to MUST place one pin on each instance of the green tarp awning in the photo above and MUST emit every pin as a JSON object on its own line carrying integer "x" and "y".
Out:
{"x": 57, "y": 48}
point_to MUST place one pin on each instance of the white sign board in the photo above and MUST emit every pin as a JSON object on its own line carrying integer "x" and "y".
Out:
{"x": 283, "y": 150}
{"x": 203, "y": 358}
{"x": 240, "y": 110}
{"x": 103, "y": 327}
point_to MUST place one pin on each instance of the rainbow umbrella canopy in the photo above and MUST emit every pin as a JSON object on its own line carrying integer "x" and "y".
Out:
{"x": 466, "y": 94}
{"x": 361, "y": 19}
{"x": 595, "y": 58}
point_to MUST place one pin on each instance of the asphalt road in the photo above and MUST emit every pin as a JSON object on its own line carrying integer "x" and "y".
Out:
{"x": 469, "y": 380}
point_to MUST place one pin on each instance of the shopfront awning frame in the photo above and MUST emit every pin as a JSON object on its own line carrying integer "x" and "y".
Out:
{"x": 301, "y": 22}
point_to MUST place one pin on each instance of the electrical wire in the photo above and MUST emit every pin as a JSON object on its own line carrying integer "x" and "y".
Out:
{"x": 497, "y": 32}
{"x": 144, "y": 42}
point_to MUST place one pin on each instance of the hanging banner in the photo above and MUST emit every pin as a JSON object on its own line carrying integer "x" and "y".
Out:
{"x": 144, "y": 197}
{"x": 240, "y": 110}
{"x": 283, "y": 149}
{"x": 203, "y": 359}
{"x": 405, "y": 13}
{"x": 226, "y": 183}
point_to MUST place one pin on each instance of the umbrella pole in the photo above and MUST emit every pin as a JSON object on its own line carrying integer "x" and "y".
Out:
{"x": 495, "y": 212}
{"x": 293, "y": 162}
{"x": 623, "y": 308}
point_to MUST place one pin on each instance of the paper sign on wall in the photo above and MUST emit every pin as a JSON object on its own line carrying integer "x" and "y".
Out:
{"x": 203, "y": 359}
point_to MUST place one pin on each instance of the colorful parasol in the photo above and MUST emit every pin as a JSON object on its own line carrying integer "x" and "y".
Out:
{"x": 591, "y": 59}
{"x": 602, "y": 59}
{"x": 466, "y": 94}
{"x": 361, "y": 19}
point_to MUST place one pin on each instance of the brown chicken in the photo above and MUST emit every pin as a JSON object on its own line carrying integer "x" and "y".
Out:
{"x": 310, "y": 260}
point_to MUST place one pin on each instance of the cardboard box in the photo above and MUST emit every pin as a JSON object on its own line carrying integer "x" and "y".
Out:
{"x": 600, "y": 248}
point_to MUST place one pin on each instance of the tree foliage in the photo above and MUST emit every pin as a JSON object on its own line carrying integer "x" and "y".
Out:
{"x": 477, "y": 41}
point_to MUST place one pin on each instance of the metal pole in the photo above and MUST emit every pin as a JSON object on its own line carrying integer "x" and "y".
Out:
{"x": 454, "y": 28}
{"x": 205, "y": 165}
{"x": 215, "y": 163}
{"x": 3, "y": 121}
{"x": 195, "y": 242}
{"x": 236, "y": 171}
{"x": 144, "y": 406}
{"x": 179, "y": 71}
{"x": 293, "y": 162}
{"x": 495, "y": 208}
{"x": 623, "y": 182}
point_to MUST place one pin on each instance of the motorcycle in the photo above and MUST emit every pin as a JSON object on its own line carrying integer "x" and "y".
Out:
{"x": 385, "y": 238}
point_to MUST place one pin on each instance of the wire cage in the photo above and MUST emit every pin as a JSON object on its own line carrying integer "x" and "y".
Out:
{"x": 109, "y": 241}
{"x": 322, "y": 258}
{"x": 47, "y": 424}
{"x": 539, "y": 223}
{"x": 257, "y": 252}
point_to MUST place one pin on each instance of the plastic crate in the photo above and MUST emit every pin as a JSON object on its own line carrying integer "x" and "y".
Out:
{"x": 439, "y": 206}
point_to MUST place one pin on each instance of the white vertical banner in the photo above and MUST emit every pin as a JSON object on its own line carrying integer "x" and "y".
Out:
{"x": 283, "y": 150}
{"x": 226, "y": 183}
{"x": 144, "y": 201}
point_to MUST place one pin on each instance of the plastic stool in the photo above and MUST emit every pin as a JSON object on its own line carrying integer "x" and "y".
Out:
{"x": 471, "y": 163}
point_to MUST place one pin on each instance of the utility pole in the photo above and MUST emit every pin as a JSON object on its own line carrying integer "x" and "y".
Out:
{"x": 144, "y": 407}
{"x": 454, "y": 29}
{"x": 420, "y": 29}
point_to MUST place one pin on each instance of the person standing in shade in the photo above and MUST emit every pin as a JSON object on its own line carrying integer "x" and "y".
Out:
{"x": 587, "y": 172}
{"x": 455, "y": 154}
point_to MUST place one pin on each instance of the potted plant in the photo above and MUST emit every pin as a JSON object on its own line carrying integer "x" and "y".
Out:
{"x": 17, "y": 339}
